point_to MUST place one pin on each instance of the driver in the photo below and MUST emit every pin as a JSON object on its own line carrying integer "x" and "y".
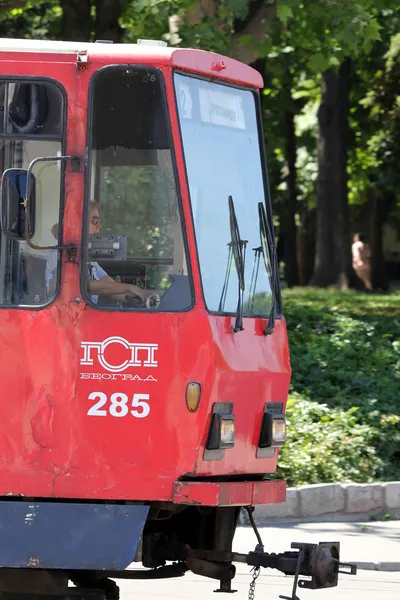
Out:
{"x": 101, "y": 284}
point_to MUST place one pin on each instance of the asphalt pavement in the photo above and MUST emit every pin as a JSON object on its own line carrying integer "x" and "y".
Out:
{"x": 374, "y": 546}
{"x": 371, "y": 545}
{"x": 367, "y": 585}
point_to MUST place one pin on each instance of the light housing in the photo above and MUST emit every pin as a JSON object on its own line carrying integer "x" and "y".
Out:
{"x": 273, "y": 427}
{"x": 221, "y": 432}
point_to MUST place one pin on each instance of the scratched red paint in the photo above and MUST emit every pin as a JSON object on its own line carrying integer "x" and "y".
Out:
{"x": 231, "y": 493}
{"x": 49, "y": 447}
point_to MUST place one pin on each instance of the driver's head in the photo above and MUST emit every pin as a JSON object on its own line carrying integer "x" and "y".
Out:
{"x": 94, "y": 219}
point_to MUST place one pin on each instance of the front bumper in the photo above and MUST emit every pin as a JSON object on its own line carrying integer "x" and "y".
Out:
{"x": 232, "y": 493}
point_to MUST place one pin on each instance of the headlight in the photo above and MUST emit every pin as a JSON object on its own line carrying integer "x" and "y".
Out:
{"x": 278, "y": 430}
{"x": 273, "y": 426}
{"x": 227, "y": 432}
{"x": 222, "y": 432}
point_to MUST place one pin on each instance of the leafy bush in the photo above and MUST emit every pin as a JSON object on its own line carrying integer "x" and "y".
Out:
{"x": 343, "y": 412}
{"x": 326, "y": 444}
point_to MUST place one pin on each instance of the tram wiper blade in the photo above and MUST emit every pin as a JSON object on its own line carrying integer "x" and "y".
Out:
{"x": 269, "y": 250}
{"x": 239, "y": 252}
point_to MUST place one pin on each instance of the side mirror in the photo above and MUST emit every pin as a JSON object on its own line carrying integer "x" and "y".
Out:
{"x": 13, "y": 195}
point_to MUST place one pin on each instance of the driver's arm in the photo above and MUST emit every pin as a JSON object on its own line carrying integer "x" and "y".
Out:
{"x": 106, "y": 286}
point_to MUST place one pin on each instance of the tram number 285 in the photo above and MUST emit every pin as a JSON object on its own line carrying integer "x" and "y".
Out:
{"x": 119, "y": 405}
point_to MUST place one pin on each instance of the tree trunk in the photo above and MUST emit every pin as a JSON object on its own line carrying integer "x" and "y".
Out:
{"x": 325, "y": 261}
{"x": 291, "y": 274}
{"x": 8, "y": 5}
{"x": 346, "y": 276}
{"x": 76, "y": 24}
{"x": 306, "y": 244}
{"x": 377, "y": 215}
{"x": 108, "y": 13}
{"x": 333, "y": 261}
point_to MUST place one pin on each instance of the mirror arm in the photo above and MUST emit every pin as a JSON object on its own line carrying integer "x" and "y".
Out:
{"x": 75, "y": 160}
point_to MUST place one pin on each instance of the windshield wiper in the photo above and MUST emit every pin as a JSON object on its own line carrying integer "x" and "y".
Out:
{"x": 226, "y": 281}
{"x": 269, "y": 249}
{"x": 238, "y": 247}
{"x": 254, "y": 277}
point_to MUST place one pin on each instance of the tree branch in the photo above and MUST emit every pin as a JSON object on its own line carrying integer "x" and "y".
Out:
{"x": 7, "y": 5}
{"x": 203, "y": 8}
{"x": 257, "y": 28}
{"x": 260, "y": 18}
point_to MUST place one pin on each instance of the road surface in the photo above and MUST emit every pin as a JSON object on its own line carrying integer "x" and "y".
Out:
{"x": 367, "y": 543}
{"x": 367, "y": 585}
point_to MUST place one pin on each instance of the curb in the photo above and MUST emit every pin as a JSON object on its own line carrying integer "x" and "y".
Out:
{"x": 333, "y": 501}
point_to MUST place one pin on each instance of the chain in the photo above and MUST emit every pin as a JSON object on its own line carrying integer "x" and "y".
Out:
{"x": 252, "y": 590}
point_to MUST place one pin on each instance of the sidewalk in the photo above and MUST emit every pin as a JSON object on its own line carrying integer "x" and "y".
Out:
{"x": 371, "y": 545}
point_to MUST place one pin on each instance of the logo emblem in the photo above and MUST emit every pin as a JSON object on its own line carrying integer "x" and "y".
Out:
{"x": 137, "y": 355}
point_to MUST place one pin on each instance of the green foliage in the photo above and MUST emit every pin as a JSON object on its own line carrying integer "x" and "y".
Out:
{"x": 38, "y": 19}
{"x": 140, "y": 203}
{"x": 393, "y": 54}
{"x": 327, "y": 30}
{"x": 326, "y": 445}
{"x": 343, "y": 413}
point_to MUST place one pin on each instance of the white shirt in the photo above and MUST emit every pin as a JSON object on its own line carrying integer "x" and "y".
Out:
{"x": 95, "y": 272}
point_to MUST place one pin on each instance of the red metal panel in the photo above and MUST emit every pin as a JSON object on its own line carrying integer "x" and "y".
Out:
{"x": 245, "y": 493}
{"x": 269, "y": 492}
{"x": 208, "y": 63}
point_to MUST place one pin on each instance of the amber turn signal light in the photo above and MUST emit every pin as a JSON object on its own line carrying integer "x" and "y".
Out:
{"x": 193, "y": 395}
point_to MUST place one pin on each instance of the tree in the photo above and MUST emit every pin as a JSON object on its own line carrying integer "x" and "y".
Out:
{"x": 75, "y": 20}
{"x": 9, "y": 5}
{"x": 375, "y": 177}
{"x": 290, "y": 42}
{"x": 316, "y": 39}
{"x": 108, "y": 15}
{"x": 333, "y": 261}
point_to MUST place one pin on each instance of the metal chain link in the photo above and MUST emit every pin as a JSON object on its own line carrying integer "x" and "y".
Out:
{"x": 252, "y": 590}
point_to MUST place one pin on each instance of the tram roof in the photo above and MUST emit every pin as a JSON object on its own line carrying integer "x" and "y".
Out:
{"x": 146, "y": 51}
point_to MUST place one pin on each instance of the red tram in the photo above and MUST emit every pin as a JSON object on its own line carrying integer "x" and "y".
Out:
{"x": 145, "y": 364}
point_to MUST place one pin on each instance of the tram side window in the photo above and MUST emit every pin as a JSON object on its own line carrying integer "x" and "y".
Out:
{"x": 31, "y": 126}
{"x": 136, "y": 254}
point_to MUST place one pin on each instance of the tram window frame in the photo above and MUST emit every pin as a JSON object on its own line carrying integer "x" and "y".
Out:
{"x": 94, "y": 186}
{"x": 60, "y": 137}
{"x": 265, "y": 198}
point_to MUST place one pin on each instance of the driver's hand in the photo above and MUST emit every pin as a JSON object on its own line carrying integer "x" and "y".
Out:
{"x": 135, "y": 290}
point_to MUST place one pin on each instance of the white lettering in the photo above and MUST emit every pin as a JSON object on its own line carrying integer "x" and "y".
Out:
{"x": 221, "y": 108}
{"x": 118, "y": 405}
{"x": 137, "y": 355}
{"x": 117, "y": 376}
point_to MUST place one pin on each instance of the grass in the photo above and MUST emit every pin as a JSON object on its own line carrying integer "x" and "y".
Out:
{"x": 343, "y": 408}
